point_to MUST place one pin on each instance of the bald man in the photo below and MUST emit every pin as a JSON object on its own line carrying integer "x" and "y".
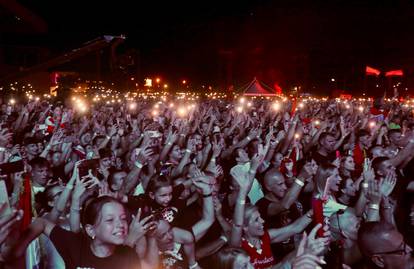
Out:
{"x": 384, "y": 246}
{"x": 278, "y": 197}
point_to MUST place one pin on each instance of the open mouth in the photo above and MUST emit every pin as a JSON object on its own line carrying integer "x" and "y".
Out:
{"x": 119, "y": 234}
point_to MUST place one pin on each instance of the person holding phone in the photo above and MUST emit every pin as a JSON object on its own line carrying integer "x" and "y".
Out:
{"x": 328, "y": 181}
{"x": 107, "y": 241}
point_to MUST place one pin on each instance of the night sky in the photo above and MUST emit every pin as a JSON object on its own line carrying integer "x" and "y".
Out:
{"x": 289, "y": 42}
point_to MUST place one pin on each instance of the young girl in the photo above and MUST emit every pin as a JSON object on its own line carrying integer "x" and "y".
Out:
{"x": 100, "y": 245}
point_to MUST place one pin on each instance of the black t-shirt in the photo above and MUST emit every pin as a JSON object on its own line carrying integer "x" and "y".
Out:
{"x": 280, "y": 220}
{"x": 149, "y": 206}
{"x": 75, "y": 251}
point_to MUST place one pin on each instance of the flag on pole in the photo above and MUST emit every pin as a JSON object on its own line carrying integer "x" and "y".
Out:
{"x": 394, "y": 73}
{"x": 369, "y": 71}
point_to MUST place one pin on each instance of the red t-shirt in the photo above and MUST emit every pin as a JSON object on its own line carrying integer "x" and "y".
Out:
{"x": 260, "y": 258}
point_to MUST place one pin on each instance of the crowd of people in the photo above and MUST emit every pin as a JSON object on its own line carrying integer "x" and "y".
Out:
{"x": 294, "y": 184}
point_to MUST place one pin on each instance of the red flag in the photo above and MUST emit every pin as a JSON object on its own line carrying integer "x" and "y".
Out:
{"x": 394, "y": 73}
{"x": 372, "y": 71}
{"x": 25, "y": 202}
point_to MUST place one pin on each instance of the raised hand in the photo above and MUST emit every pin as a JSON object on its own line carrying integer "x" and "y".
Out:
{"x": 56, "y": 137}
{"x": 242, "y": 179}
{"x": 374, "y": 194}
{"x": 388, "y": 183}
{"x": 5, "y": 137}
{"x": 258, "y": 157}
{"x": 139, "y": 227}
{"x": 191, "y": 145}
{"x": 216, "y": 149}
{"x": 144, "y": 155}
{"x": 317, "y": 246}
{"x": 305, "y": 260}
{"x": 368, "y": 171}
{"x": 172, "y": 137}
{"x": 113, "y": 130}
{"x": 7, "y": 221}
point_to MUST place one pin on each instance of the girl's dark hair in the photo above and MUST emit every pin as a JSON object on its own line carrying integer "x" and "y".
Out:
{"x": 157, "y": 182}
{"x": 92, "y": 211}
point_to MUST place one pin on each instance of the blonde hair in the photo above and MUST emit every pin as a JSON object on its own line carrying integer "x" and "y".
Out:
{"x": 225, "y": 258}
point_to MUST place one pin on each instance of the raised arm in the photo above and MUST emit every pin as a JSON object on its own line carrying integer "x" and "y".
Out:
{"x": 201, "y": 227}
{"x": 244, "y": 182}
{"x": 282, "y": 234}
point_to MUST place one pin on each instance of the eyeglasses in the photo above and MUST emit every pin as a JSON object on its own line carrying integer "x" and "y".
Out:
{"x": 400, "y": 251}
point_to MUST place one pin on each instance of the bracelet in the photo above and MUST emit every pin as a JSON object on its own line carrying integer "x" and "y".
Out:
{"x": 307, "y": 215}
{"x": 248, "y": 138}
{"x": 374, "y": 206}
{"x": 169, "y": 143}
{"x": 224, "y": 238}
{"x": 299, "y": 182}
{"x": 138, "y": 165}
{"x": 237, "y": 225}
{"x": 2, "y": 149}
{"x": 183, "y": 135}
{"x": 242, "y": 202}
{"x": 193, "y": 266}
{"x": 108, "y": 137}
{"x": 213, "y": 159}
{"x": 208, "y": 195}
{"x": 75, "y": 209}
{"x": 187, "y": 150}
{"x": 365, "y": 185}
{"x": 69, "y": 186}
{"x": 387, "y": 207}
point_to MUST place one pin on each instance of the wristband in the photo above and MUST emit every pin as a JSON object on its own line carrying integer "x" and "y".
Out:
{"x": 193, "y": 266}
{"x": 208, "y": 195}
{"x": 213, "y": 159}
{"x": 138, "y": 165}
{"x": 183, "y": 135}
{"x": 373, "y": 206}
{"x": 387, "y": 207}
{"x": 75, "y": 209}
{"x": 248, "y": 138}
{"x": 69, "y": 186}
{"x": 365, "y": 185}
{"x": 224, "y": 238}
{"x": 169, "y": 144}
{"x": 237, "y": 225}
{"x": 242, "y": 202}
{"x": 108, "y": 137}
{"x": 187, "y": 150}
{"x": 299, "y": 182}
{"x": 2, "y": 149}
